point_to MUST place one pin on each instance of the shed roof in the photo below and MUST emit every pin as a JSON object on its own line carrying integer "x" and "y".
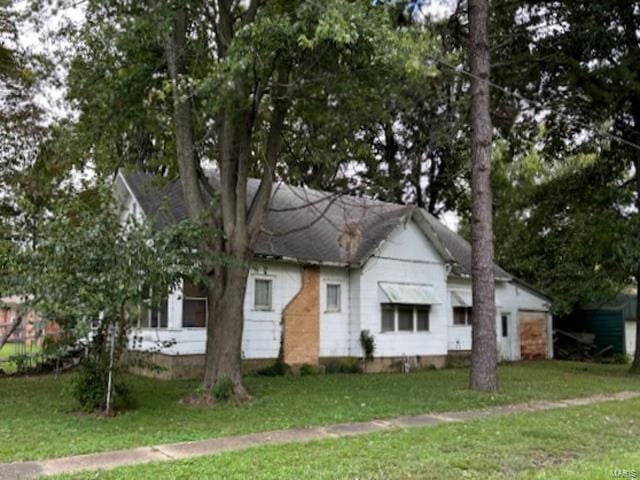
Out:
{"x": 624, "y": 301}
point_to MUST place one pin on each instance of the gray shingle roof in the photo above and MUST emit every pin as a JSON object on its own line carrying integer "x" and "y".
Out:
{"x": 302, "y": 224}
{"x": 315, "y": 226}
{"x": 457, "y": 247}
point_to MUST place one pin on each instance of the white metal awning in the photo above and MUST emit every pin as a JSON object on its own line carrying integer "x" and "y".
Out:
{"x": 463, "y": 298}
{"x": 410, "y": 294}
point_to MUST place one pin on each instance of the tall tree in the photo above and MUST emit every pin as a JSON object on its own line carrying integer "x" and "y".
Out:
{"x": 483, "y": 374}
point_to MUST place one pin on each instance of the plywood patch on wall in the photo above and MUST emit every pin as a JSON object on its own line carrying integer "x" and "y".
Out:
{"x": 301, "y": 322}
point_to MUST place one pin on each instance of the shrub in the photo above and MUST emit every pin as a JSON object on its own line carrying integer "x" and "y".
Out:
{"x": 307, "y": 369}
{"x": 89, "y": 389}
{"x": 344, "y": 366}
{"x": 278, "y": 369}
{"x": 22, "y": 361}
{"x": 622, "y": 358}
{"x": 223, "y": 390}
{"x": 368, "y": 344}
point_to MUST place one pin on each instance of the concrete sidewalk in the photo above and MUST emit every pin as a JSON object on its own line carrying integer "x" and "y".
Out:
{"x": 177, "y": 451}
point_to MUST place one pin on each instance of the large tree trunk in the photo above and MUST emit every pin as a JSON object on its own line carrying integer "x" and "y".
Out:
{"x": 225, "y": 326}
{"x": 239, "y": 221}
{"x": 483, "y": 375}
{"x": 635, "y": 365}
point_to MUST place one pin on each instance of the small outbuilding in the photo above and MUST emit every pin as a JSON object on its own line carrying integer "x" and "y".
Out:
{"x": 612, "y": 323}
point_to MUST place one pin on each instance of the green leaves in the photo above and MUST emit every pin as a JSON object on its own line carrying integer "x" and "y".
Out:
{"x": 86, "y": 264}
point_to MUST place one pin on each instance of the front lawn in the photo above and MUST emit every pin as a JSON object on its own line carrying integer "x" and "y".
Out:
{"x": 39, "y": 419}
{"x": 591, "y": 442}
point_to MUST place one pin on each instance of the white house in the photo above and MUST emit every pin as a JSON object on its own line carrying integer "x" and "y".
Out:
{"x": 328, "y": 267}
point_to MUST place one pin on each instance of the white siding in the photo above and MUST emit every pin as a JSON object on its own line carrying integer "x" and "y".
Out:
{"x": 458, "y": 336}
{"x": 334, "y": 326}
{"x": 355, "y": 350}
{"x": 262, "y": 329}
{"x": 405, "y": 257}
{"x": 630, "y": 337}
{"x": 129, "y": 206}
{"x": 510, "y": 299}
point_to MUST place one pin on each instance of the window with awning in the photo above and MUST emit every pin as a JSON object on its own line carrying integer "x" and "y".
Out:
{"x": 405, "y": 307}
{"x": 462, "y": 305}
{"x": 463, "y": 298}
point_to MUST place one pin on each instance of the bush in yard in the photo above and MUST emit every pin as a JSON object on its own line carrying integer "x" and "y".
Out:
{"x": 89, "y": 388}
{"x": 368, "y": 344}
{"x": 22, "y": 361}
{"x": 223, "y": 389}
{"x": 307, "y": 369}
{"x": 278, "y": 369}
{"x": 343, "y": 366}
{"x": 97, "y": 278}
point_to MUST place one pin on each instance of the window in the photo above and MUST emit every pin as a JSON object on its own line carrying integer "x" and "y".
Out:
{"x": 333, "y": 297}
{"x": 505, "y": 324}
{"x": 194, "y": 306}
{"x": 262, "y": 294}
{"x": 462, "y": 315}
{"x": 194, "y": 312}
{"x": 422, "y": 314}
{"x": 154, "y": 313}
{"x": 388, "y": 318}
{"x": 404, "y": 318}
{"x": 158, "y": 315}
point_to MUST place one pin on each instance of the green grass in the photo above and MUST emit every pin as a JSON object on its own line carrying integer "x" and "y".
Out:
{"x": 39, "y": 419}
{"x": 8, "y": 350}
{"x": 11, "y": 349}
{"x": 574, "y": 443}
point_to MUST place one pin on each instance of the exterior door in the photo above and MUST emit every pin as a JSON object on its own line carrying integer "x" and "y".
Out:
{"x": 505, "y": 336}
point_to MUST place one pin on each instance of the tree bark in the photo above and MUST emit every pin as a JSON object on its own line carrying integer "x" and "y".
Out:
{"x": 483, "y": 375}
{"x": 633, "y": 46}
{"x": 225, "y": 325}
{"x": 185, "y": 152}
{"x": 240, "y": 223}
